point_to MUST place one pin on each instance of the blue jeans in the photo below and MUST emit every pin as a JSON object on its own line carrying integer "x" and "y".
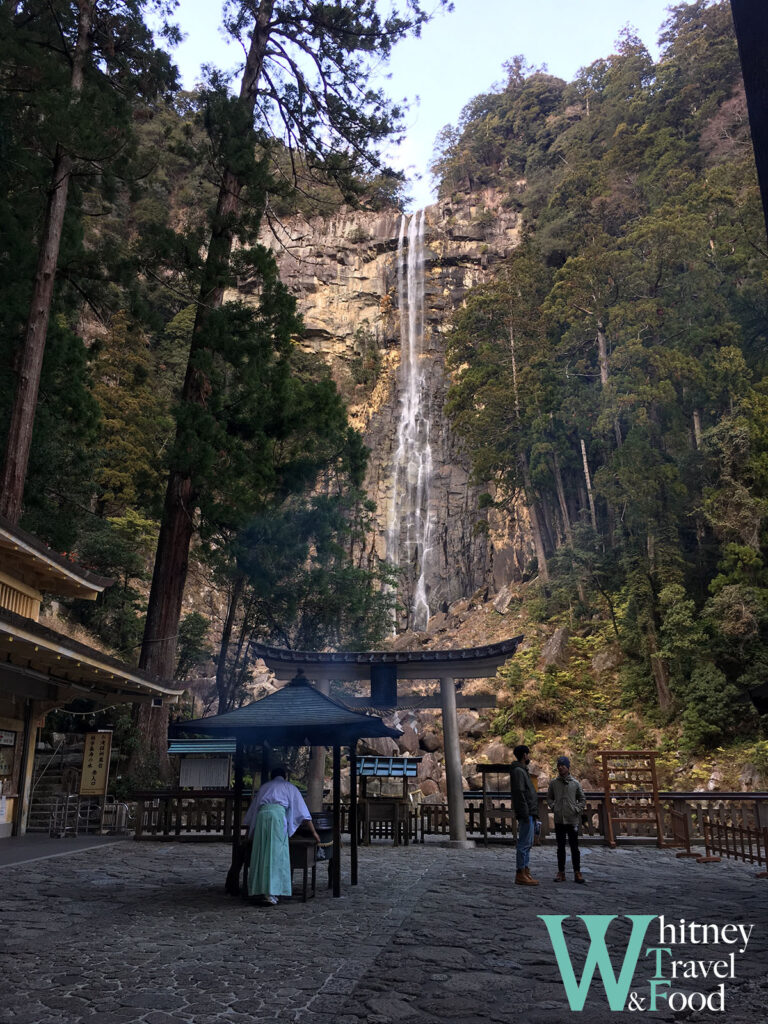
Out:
{"x": 524, "y": 842}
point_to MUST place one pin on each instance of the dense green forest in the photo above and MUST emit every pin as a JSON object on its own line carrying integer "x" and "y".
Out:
{"x": 613, "y": 373}
{"x": 149, "y": 417}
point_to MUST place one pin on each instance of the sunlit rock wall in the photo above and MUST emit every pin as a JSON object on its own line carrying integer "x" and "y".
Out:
{"x": 343, "y": 271}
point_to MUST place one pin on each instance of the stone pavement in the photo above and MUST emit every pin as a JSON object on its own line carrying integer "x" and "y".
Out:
{"x": 38, "y": 846}
{"x": 135, "y": 932}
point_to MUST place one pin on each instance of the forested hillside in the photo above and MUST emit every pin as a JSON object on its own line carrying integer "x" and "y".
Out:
{"x": 614, "y": 372}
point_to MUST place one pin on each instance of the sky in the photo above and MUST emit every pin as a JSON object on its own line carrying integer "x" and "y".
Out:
{"x": 458, "y": 56}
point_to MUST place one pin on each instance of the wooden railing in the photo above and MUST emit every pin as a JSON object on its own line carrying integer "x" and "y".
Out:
{"x": 745, "y": 810}
{"x": 739, "y": 842}
{"x": 209, "y": 815}
{"x": 205, "y": 814}
{"x": 681, "y": 833}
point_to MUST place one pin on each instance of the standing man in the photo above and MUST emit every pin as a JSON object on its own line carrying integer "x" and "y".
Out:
{"x": 272, "y": 818}
{"x": 526, "y": 803}
{"x": 566, "y": 798}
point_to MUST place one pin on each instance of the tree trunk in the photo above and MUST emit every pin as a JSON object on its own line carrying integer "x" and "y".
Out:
{"x": 533, "y": 514}
{"x": 602, "y": 358}
{"x": 221, "y": 668}
{"x": 316, "y": 766}
{"x": 580, "y": 588}
{"x": 514, "y": 374}
{"x": 660, "y": 671}
{"x": 697, "y": 427}
{"x": 561, "y": 498}
{"x": 549, "y": 523}
{"x": 602, "y": 355}
{"x": 158, "y": 651}
{"x": 30, "y": 363}
{"x": 588, "y": 481}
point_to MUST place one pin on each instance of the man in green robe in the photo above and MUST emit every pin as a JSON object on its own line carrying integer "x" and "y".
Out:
{"x": 275, "y": 814}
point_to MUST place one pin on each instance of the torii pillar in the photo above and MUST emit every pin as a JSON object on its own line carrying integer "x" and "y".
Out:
{"x": 317, "y": 756}
{"x": 452, "y": 751}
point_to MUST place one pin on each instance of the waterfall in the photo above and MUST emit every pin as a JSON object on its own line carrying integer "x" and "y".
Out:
{"x": 409, "y": 526}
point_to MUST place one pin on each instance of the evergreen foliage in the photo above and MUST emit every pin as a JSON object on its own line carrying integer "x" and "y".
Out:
{"x": 613, "y": 373}
{"x": 149, "y": 375}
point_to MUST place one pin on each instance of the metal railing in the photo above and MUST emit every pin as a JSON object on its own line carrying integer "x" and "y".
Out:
{"x": 74, "y": 815}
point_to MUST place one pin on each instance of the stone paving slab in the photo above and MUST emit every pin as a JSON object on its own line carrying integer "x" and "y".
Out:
{"x": 142, "y": 932}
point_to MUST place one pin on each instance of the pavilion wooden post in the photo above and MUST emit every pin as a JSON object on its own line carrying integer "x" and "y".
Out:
{"x": 237, "y": 810}
{"x": 457, "y": 824}
{"x": 316, "y": 767}
{"x": 336, "y": 873}
{"x": 265, "y": 762}
{"x": 353, "y": 812}
{"x": 607, "y": 809}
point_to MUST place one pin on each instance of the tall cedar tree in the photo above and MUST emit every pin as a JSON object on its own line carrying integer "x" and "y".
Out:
{"x": 82, "y": 51}
{"x": 307, "y": 78}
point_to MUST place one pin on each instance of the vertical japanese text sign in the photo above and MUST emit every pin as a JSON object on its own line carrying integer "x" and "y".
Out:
{"x": 98, "y": 746}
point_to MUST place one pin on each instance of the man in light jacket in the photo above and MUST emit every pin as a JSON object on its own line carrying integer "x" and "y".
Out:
{"x": 566, "y": 799}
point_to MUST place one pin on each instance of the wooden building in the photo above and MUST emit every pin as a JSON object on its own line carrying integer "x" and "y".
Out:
{"x": 41, "y": 669}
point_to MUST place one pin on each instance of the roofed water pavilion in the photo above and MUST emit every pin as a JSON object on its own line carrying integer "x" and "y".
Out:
{"x": 298, "y": 715}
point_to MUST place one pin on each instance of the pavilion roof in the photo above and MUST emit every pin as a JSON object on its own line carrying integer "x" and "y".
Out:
{"x": 209, "y": 745}
{"x": 461, "y": 663}
{"x": 296, "y": 715}
{"x": 376, "y": 766}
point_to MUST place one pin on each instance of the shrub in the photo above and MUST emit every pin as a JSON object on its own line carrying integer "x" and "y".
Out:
{"x": 713, "y": 708}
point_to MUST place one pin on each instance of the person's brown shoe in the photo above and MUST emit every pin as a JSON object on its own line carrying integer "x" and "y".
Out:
{"x": 577, "y": 877}
{"x": 521, "y": 878}
{"x": 560, "y": 876}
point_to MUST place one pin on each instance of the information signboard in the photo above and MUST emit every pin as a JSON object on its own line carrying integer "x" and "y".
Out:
{"x": 95, "y": 774}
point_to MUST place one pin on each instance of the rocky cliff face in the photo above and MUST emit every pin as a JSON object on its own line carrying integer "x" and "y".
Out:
{"x": 343, "y": 271}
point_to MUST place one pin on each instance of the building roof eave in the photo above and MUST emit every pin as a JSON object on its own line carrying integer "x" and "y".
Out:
{"x": 26, "y": 646}
{"x": 47, "y": 570}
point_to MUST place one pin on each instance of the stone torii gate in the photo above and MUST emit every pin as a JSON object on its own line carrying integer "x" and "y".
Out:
{"x": 383, "y": 670}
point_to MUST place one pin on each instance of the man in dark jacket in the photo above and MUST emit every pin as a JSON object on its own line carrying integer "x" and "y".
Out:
{"x": 526, "y": 804}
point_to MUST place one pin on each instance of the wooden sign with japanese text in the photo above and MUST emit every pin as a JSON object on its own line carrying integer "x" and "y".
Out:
{"x": 98, "y": 746}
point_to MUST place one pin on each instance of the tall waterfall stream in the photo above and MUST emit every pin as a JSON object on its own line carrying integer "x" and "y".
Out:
{"x": 410, "y": 526}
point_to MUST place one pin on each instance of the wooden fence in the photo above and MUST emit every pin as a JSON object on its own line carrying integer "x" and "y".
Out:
{"x": 197, "y": 815}
{"x": 741, "y": 810}
{"x": 209, "y": 814}
{"x": 739, "y": 842}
